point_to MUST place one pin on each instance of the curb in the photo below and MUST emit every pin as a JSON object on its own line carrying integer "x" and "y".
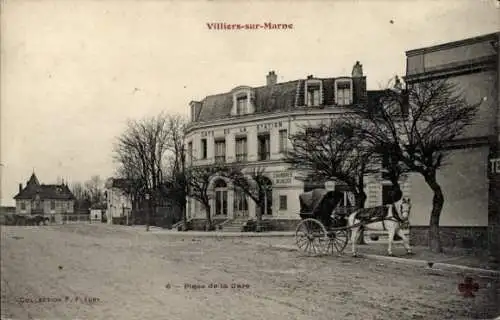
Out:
{"x": 224, "y": 234}
{"x": 436, "y": 266}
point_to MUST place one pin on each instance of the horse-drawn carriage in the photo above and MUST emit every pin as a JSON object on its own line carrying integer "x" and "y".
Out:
{"x": 325, "y": 229}
{"x": 319, "y": 231}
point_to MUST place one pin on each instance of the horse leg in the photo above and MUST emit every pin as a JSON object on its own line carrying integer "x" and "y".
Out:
{"x": 354, "y": 237}
{"x": 406, "y": 241}
{"x": 391, "y": 231}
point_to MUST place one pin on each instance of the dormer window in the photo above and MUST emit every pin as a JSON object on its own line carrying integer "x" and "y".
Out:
{"x": 343, "y": 92}
{"x": 241, "y": 105}
{"x": 242, "y": 101}
{"x": 314, "y": 91}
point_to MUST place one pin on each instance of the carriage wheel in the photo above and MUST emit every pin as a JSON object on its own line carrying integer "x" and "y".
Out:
{"x": 338, "y": 240}
{"x": 311, "y": 237}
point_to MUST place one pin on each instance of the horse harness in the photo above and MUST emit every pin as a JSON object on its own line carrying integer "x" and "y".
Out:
{"x": 375, "y": 215}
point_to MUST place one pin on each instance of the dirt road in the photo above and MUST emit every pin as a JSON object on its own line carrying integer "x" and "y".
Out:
{"x": 112, "y": 272}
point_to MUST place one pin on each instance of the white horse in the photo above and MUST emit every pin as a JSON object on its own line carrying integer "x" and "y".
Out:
{"x": 384, "y": 218}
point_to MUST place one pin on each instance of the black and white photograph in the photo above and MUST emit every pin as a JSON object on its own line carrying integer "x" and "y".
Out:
{"x": 283, "y": 159}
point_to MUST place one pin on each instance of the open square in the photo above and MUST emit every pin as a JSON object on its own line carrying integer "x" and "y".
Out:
{"x": 114, "y": 272}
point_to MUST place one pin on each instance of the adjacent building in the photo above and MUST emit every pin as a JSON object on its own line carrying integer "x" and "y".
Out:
{"x": 470, "y": 180}
{"x": 53, "y": 200}
{"x": 252, "y": 125}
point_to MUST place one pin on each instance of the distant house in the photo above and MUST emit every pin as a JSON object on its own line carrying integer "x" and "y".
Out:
{"x": 118, "y": 201}
{"x": 46, "y": 199}
{"x": 123, "y": 204}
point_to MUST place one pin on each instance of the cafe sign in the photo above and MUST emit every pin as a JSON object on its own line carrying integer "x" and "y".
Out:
{"x": 283, "y": 177}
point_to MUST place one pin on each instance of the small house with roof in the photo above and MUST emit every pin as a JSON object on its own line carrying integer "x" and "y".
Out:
{"x": 44, "y": 199}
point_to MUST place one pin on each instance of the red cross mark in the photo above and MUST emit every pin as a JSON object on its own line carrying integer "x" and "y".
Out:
{"x": 468, "y": 287}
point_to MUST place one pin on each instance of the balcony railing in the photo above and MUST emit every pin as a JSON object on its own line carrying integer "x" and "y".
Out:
{"x": 241, "y": 157}
{"x": 220, "y": 159}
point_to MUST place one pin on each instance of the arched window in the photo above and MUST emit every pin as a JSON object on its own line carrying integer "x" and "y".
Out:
{"x": 220, "y": 188}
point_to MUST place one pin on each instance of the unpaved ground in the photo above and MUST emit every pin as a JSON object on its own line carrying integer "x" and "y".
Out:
{"x": 466, "y": 257}
{"x": 129, "y": 271}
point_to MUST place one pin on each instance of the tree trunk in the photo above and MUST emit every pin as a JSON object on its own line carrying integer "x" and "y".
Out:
{"x": 437, "y": 206}
{"x": 148, "y": 213}
{"x": 258, "y": 225}
{"x": 360, "y": 203}
{"x": 209, "y": 225}
{"x": 184, "y": 217}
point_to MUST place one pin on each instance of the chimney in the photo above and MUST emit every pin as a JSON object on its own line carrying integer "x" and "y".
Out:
{"x": 357, "y": 70}
{"x": 398, "y": 86}
{"x": 271, "y": 78}
{"x": 20, "y": 187}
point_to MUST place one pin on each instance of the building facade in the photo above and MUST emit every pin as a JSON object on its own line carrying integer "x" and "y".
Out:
{"x": 118, "y": 202}
{"x": 468, "y": 180}
{"x": 253, "y": 125}
{"x": 46, "y": 199}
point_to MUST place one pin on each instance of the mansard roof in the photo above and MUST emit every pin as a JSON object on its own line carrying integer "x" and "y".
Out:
{"x": 278, "y": 97}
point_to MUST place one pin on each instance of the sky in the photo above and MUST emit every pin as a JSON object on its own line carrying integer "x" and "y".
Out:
{"x": 73, "y": 72}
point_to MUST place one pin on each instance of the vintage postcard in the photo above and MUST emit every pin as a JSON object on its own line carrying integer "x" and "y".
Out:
{"x": 250, "y": 159}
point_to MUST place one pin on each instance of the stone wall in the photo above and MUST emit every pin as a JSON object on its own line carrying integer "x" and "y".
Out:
{"x": 461, "y": 237}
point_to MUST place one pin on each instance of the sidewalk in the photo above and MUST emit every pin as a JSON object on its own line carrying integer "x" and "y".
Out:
{"x": 458, "y": 260}
{"x": 217, "y": 233}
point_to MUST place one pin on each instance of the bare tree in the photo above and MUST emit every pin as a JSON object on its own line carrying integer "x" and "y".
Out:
{"x": 326, "y": 152}
{"x": 198, "y": 180}
{"x": 253, "y": 183}
{"x": 95, "y": 188}
{"x": 176, "y": 174}
{"x": 140, "y": 151}
{"x": 82, "y": 196}
{"x": 414, "y": 126}
{"x": 331, "y": 151}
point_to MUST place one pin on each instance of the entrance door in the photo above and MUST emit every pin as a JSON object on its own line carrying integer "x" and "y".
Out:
{"x": 220, "y": 197}
{"x": 240, "y": 204}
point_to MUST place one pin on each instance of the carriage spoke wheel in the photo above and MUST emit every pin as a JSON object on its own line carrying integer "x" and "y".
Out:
{"x": 311, "y": 237}
{"x": 337, "y": 241}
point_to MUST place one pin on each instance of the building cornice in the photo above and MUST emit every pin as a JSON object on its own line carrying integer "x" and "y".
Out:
{"x": 253, "y": 118}
{"x": 454, "y": 69}
{"x": 454, "y": 44}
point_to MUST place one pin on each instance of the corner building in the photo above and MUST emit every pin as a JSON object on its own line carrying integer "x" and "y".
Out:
{"x": 469, "y": 179}
{"x": 252, "y": 126}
